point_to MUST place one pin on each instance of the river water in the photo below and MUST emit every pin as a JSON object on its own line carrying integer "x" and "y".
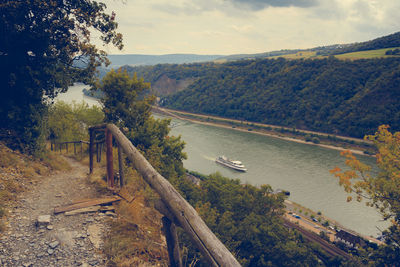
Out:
{"x": 299, "y": 168}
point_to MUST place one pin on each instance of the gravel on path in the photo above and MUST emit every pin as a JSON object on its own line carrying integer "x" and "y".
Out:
{"x": 65, "y": 240}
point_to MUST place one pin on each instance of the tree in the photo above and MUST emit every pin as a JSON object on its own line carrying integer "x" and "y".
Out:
{"x": 121, "y": 101}
{"x": 70, "y": 122}
{"x": 125, "y": 105}
{"x": 44, "y": 47}
{"x": 381, "y": 191}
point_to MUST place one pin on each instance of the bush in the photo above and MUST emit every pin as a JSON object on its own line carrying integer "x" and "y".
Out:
{"x": 315, "y": 140}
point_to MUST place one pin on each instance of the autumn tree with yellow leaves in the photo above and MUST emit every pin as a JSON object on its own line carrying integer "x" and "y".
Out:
{"x": 381, "y": 191}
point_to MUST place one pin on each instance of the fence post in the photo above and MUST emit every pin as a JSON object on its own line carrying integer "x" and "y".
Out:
{"x": 100, "y": 151}
{"x": 91, "y": 140}
{"x": 120, "y": 167}
{"x": 81, "y": 149}
{"x": 97, "y": 152}
{"x": 74, "y": 148}
{"x": 66, "y": 147}
{"x": 172, "y": 242}
{"x": 109, "y": 159}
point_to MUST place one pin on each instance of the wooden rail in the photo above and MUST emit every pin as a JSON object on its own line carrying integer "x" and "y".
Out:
{"x": 53, "y": 145}
{"x": 176, "y": 210}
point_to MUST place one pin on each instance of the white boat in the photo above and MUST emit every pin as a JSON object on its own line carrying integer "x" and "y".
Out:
{"x": 233, "y": 164}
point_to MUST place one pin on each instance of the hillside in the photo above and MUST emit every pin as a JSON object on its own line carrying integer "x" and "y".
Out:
{"x": 388, "y": 41}
{"x": 141, "y": 60}
{"x": 339, "y": 97}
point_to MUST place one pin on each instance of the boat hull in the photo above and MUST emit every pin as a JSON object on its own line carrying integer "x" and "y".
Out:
{"x": 230, "y": 166}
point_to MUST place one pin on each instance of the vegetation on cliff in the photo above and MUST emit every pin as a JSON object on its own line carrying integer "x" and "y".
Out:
{"x": 328, "y": 95}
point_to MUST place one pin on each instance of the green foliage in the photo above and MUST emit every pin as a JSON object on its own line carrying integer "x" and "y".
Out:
{"x": 381, "y": 191}
{"x": 247, "y": 220}
{"x": 315, "y": 140}
{"x": 123, "y": 107}
{"x": 392, "y": 40}
{"x": 329, "y": 95}
{"x": 45, "y": 46}
{"x": 121, "y": 104}
{"x": 70, "y": 122}
{"x": 395, "y": 51}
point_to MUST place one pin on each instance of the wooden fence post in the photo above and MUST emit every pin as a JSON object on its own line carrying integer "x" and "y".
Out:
{"x": 120, "y": 167}
{"x": 91, "y": 140}
{"x": 81, "y": 149}
{"x": 172, "y": 242}
{"x": 109, "y": 159}
{"x": 206, "y": 241}
{"x": 97, "y": 152}
{"x": 66, "y": 147}
{"x": 74, "y": 148}
{"x": 100, "y": 151}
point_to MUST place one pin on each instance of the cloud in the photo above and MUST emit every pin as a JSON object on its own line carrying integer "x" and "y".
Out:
{"x": 262, "y": 4}
{"x": 193, "y": 7}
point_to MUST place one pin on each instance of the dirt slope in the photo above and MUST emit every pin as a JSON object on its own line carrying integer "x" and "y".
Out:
{"x": 68, "y": 240}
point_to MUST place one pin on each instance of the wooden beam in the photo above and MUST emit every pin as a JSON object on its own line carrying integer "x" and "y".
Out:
{"x": 80, "y": 205}
{"x": 120, "y": 166}
{"x": 171, "y": 236}
{"x": 205, "y": 240}
{"x": 91, "y": 136}
{"x": 109, "y": 157}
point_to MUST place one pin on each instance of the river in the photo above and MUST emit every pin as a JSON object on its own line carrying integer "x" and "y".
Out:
{"x": 299, "y": 168}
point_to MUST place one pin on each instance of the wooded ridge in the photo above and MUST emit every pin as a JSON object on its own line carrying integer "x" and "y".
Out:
{"x": 349, "y": 98}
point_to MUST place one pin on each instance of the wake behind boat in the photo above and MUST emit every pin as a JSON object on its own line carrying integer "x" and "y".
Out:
{"x": 233, "y": 164}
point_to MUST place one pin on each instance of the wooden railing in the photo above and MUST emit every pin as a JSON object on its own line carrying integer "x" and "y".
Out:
{"x": 55, "y": 146}
{"x": 176, "y": 210}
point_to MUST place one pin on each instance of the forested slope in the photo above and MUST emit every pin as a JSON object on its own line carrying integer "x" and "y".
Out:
{"x": 388, "y": 41}
{"x": 341, "y": 97}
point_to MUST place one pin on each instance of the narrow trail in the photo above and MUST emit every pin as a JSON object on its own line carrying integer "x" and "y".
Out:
{"x": 68, "y": 240}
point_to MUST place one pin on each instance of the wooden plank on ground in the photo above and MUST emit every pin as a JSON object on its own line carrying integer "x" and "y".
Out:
{"x": 83, "y": 210}
{"x": 81, "y": 200}
{"x": 90, "y": 209}
{"x": 126, "y": 195}
{"x": 88, "y": 203}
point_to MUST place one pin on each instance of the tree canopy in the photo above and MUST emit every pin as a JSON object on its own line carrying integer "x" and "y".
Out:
{"x": 125, "y": 106}
{"x": 381, "y": 191}
{"x": 327, "y": 95}
{"x": 44, "y": 47}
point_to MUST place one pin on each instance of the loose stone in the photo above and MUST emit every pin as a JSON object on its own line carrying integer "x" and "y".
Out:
{"x": 54, "y": 244}
{"x": 43, "y": 220}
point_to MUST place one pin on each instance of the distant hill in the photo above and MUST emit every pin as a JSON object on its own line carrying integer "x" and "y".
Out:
{"x": 143, "y": 60}
{"x": 328, "y": 95}
{"x": 388, "y": 41}
{"x": 294, "y": 88}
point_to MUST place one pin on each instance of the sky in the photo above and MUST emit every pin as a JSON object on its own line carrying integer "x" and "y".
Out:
{"x": 225, "y": 27}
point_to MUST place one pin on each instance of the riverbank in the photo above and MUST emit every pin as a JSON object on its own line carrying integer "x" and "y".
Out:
{"x": 340, "y": 143}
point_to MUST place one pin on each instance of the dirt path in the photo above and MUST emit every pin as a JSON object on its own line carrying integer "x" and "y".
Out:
{"x": 67, "y": 240}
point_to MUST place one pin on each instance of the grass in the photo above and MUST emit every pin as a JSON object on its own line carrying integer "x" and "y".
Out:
{"x": 18, "y": 172}
{"x": 366, "y": 54}
{"x": 298, "y": 55}
{"x": 135, "y": 237}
